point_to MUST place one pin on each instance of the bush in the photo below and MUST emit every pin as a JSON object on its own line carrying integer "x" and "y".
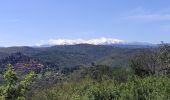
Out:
{"x": 136, "y": 88}
{"x": 12, "y": 89}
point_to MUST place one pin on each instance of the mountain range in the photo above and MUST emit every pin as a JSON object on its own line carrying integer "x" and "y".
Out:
{"x": 97, "y": 41}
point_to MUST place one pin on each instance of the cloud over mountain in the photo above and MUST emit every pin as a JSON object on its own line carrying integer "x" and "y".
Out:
{"x": 97, "y": 41}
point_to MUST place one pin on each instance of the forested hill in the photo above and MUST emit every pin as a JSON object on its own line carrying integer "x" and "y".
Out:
{"x": 86, "y": 72}
{"x": 69, "y": 55}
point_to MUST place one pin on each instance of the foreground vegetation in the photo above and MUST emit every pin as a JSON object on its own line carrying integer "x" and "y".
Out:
{"x": 147, "y": 77}
{"x": 149, "y": 88}
{"x": 94, "y": 83}
{"x": 12, "y": 89}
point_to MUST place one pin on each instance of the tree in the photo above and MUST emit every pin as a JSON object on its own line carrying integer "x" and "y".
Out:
{"x": 152, "y": 62}
{"x": 12, "y": 89}
{"x": 164, "y": 58}
{"x": 145, "y": 63}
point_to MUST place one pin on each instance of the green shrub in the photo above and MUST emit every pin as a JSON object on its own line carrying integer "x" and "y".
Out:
{"x": 12, "y": 89}
{"x": 136, "y": 88}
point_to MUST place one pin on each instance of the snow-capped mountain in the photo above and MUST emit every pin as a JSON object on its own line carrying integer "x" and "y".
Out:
{"x": 98, "y": 41}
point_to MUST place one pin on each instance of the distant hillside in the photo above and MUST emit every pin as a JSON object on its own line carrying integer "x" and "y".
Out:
{"x": 21, "y": 63}
{"x": 68, "y": 56}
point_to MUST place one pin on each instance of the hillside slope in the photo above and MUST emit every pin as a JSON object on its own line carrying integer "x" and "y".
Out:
{"x": 69, "y": 56}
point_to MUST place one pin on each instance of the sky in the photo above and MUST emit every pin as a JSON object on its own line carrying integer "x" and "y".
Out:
{"x": 29, "y": 22}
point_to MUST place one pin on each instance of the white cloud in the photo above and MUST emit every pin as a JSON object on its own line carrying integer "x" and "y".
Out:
{"x": 98, "y": 41}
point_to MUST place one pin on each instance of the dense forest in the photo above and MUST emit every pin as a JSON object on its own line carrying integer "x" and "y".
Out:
{"x": 85, "y": 72}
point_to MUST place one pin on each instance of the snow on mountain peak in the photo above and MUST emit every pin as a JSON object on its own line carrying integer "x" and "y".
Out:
{"x": 98, "y": 41}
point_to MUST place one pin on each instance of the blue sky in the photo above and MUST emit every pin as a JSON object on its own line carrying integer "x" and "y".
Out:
{"x": 27, "y": 22}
